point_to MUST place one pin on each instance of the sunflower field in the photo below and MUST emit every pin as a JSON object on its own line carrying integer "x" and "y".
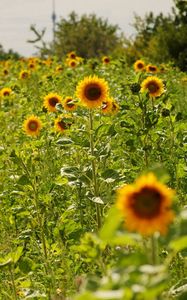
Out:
{"x": 93, "y": 179}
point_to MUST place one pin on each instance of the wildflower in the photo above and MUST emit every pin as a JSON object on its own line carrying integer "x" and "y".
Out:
{"x": 24, "y": 74}
{"x": 32, "y": 126}
{"x": 4, "y": 92}
{"x": 139, "y": 65}
{"x": 146, "y": 205}
{"x": 107, "y": 106}
{"x": 72, "y": 63}
{"x": 51, "y": 100}
{"x": 151, "y": 69}
{"x": 71, "y": 55}
{"x": 92, "y": 91}
{"x": 62, "y": 123}
{"x": 69, "y": 104}
{"x": 105, "y": 60}
{"x": 153, "y": 85}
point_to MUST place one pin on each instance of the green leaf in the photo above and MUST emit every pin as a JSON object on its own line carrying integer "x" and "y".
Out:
{"x": 23, "y": 180}
{"x": 112, "y": 222}
{"x": 179, "y": 244}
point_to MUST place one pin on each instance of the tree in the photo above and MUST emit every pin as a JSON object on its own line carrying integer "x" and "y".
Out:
{"x": 4, "y": 55}
{"x": 162, "y": 38}
{"x": 88, "y": 35}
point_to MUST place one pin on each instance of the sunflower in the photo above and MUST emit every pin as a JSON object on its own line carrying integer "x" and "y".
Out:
{"x": 105, "y": 60}
{"x": 153, "y": 85}
{"x": 146, "y": 205}
{"x": 151, "y": 69}
{"x": 5, "y": 92}
{"x": 72, "y": 55}
{"x": 51, "y": 100}
{"x": 107, "y": 106}
{"x": 92, "y": 91}
{"x": 62, "y": 123}
{"x": 69, "y": 104}
{"x": 32, "y": 125}
{"x": 59, "y": 69}
{"x": 139, "y": 65}
{"x": 72, "y": 63}
{"x": 24, "y": 74}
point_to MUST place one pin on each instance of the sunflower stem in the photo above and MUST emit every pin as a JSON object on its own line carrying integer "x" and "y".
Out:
{"x": 154, "y": 249}
{"x": 94, "y": 175}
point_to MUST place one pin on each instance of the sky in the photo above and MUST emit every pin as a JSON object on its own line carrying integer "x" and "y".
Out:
{"x": 18, "y": 15}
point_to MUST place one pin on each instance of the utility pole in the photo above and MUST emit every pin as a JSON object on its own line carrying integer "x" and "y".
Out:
{"x": 53, "y": 19}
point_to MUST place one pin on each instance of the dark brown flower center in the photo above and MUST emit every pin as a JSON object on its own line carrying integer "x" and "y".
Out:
{"x": 146, "y": 203}
{"x": 73, "y": 63}
{"x": 53, "y": 101}
{"x": 33, "y": 125}
{"x": 140, "y": 66}
{"x": 63, "y": 125}
{"x": 24, "y": 75}
{"x": 6, "y": 93}
{"x": 152, "y": 69}
{"x": 152, "y": 87}
{"x": 92, "y": 92}
{"x": 5, "y": 72}
{"x": 106, "y": 60}
{"x": 72, "y": 56}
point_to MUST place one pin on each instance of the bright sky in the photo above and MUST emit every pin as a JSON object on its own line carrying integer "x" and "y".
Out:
{"x": 18, "y": 15}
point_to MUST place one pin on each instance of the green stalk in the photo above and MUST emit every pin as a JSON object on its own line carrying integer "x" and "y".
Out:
{"x": 154, "y": 250}
{"x": 13, "y": 282}
{"x": 94, "y": 173}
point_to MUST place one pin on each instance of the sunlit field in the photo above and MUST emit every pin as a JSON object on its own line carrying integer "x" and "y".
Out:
{"x": 93, "y": 179}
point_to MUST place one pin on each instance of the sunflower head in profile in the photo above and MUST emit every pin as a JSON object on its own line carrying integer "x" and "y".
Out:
{"x": 51, "y": 100}
{"x": 24, "y": 74}
{"x": 139, "y": 65}
{"x": 62, "y": 123}
{"x": 105, "y": 60}
{"x": 69, "y": 104}
{"x": 153, "y": 86}
{"x": 151, "y": 69}
{"x": 4, "y": 92}
{"x": 146, "y": 205}
{"x": 32, "y": 126}
{"x": 106, "y": 107}
{"x": 92, "y": 91}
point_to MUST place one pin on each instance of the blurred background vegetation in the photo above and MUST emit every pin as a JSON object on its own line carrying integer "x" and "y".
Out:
{"x": 160, "y": 38}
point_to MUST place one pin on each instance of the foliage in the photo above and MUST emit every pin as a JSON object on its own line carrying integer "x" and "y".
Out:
{"x": 87, "y": 35}
{"x": 162, "y": 38}
{"x": 4, "y": 55}
{"x": 61, "y": 234}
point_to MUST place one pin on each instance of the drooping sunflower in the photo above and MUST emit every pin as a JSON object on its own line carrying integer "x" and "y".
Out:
{"x": 32, "y": 126}
{"x": 24, "y": 74}
{"x": 92, "y": 91}
{"x": 62, "y": 123}
{"x": 139, "y": 65}
{"x": 105, "y": 60}
{"x": 4, "y": 92}
{"x": 151, "y": 69}
{"x": 153, "y": 85}
{"x": 69, "y": 104}
{"x": 51, "y": 100}
{"x": 146, "y": 205}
